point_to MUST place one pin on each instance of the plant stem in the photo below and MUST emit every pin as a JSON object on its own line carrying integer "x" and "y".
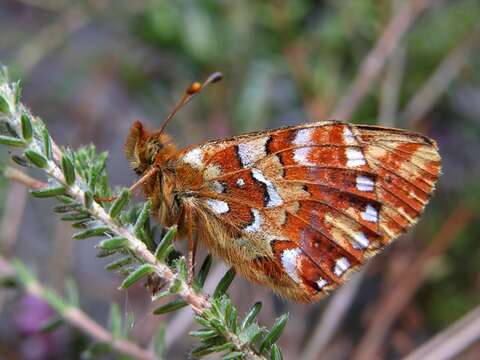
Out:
{"x": 80, "y": 320}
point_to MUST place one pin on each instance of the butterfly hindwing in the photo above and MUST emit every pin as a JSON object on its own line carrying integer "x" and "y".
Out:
{"x": 314, "y": 201}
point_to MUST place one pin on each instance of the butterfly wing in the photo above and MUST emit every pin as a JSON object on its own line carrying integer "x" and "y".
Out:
{"x": 312, "y": 203}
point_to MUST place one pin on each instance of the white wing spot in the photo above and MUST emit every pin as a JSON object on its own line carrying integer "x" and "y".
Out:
{"x": 321, "y": 283}
{"x": 355, "y": 157}
{"x": 303, "y": 137}
{"x": 256, "y": 224}
{"x": 212, "y": 171}
{"x": 218, "y": 206}
{"x": 370, "y": 214}
{"x": 218, "y": 186}
{"x": 360, "y": 241}
{"x": 252, "y": 151}
{"x": 348, "y": 136}
{"x": 364, "y": 183}
{"x": 194, "y": 158}
{"x": 301, "y": 156}
{"x": 240, "y": 182}
{"x": 273, "y": 196}
{"x": 289, "y": 260}
{"x": 341, "y": 265}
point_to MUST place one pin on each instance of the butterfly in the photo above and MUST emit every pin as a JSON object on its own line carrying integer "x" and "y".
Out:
{"x": 296, "y": 209}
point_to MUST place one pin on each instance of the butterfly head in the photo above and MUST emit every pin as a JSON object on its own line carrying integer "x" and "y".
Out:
{"x": 145, "y": 149}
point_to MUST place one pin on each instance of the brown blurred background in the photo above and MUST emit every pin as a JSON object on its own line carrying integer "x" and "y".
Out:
{"x": 91, "y": 67}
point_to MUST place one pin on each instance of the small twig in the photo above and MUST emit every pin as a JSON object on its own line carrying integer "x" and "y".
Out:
{"x": 392, "y": 81}
{"x": 53, "y": 35}
{"x": 395, "y": 300}
{"x": 443, "y": 75}
{"x": 332, "y": 318}
{"x": 376, "y": 58}
{"x": 452, "y": 341}
{"x": 80, "y": 320}
{"x": 22, "y": 178}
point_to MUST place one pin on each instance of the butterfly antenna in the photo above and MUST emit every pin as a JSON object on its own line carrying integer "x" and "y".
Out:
{"x": 189, "y": 94}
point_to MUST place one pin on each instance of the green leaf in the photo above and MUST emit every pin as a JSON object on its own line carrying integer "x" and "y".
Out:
{"x": 233, "y": 355}
{"x": 232, "y": 317}
{"x": 103, "y": 253}
{"x": 4, "y": 106}
{"x": 48, "y": 192}
{"x": 275, "y": 333}
{"x": 202, "y": 321}
{"x": 142, "y": 218}
{"x": 88, "y": 199}
{"x": 76, "y": 217}
{"x": 251, "y": 315}
{"x": 159, "y": 341}
{"x": 171, "y": 306}
{"x": 68, "y": 169}
{"x": 224, "y": 283}
{"x": 276, "y": 353}
{"x": 115, "y": 321}
{"x": 203, "y": 334}
{"x": 204, "y": 270}
{"x": 96, "y": 231}
{"x": 114, "y": 243}
{"x": 251, "y": 333}
{"x": 36, "y": 159}
{"x": 47, "y": 143}
{"x": 119, "y": 204}
{"x": 119, "y": 263}
{"x": 71, "y": 290}
{"x": 51, "y": 324}
{"x": 66, "y": 199}
{"x": 161, "y": 252}
{"x": 139, "y": 273}
{"x": 11, "y": 141}
{"x": 18, "y": 91}
{"x": 27, "y": 129}
{"x": 181, "y": 268}
{"x": 175, "y": 287}
{"x": 20, "y": 160}
{"x": 205, "y": 350}
{"x": 60, "y": 209}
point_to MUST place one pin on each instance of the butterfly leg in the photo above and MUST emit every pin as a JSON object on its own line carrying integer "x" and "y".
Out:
{"x": 192, "y": 248}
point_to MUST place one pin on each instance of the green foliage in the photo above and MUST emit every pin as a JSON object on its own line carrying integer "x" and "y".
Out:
{"x": 136, "y": 275}
{"x": 224, "y": 283}
{"x": 222, "y": 331}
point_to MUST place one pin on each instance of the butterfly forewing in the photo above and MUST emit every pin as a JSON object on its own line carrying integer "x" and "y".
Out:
{"x": 306, "y": 205}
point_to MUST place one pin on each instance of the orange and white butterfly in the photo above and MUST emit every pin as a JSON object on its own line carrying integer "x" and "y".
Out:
{"x": 296, "y": 209}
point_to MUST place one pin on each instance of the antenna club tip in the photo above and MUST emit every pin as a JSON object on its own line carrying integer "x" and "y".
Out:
{"x": 194, "y": 88}
{"x": 217, "y": 76}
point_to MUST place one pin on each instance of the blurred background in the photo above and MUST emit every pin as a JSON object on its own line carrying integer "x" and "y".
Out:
{"x": 91, "y": 67}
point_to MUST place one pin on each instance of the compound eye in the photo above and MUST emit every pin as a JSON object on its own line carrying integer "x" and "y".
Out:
{"x": 138, "y": 171}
